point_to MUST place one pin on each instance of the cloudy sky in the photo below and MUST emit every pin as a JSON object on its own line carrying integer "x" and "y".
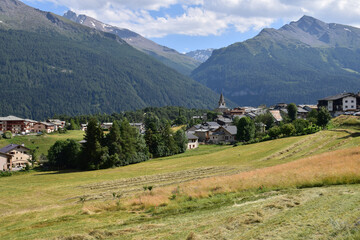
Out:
{"x": 187, "y": 25}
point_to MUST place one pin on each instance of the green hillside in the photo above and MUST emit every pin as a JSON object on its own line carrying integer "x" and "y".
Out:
{"x": 170, "y": 57}
{"x": 278, "y": 177}
{"x": 50, "y": 65}
{"x": 301, "y": 62}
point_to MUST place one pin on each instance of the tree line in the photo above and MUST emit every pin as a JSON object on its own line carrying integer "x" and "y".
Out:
{"x": 249, "y": 130}
{"x": 123, "y": 145}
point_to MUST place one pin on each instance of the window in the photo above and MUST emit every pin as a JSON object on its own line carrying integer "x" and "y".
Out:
{"x": 345, "y": 101}
{"x": 352, "y": 106}
{"x": 352, "y": 101}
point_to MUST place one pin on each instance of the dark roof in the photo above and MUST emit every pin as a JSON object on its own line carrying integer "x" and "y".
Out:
{"x": 230, "y": 129}
{"x": 191, "y": 136}
{"x": 10, "y": 147}
{"x": 301, "y": 110}
{"x": 338, "y": 96}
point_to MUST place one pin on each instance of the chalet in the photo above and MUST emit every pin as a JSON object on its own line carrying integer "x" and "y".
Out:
{"x": 5, "y": 162}
{"x": 13, "y": 124}
{"x": 20, "y": 155}
{"x": 302, "y": 113}
{"x": 341, "y": 103}
{"x": 58, "y": 123}
{"x": 43, "y": 127}
{"x": 193, "y": 141}
{"x": 237, "y": 111}
{"x": 224, "y": 134}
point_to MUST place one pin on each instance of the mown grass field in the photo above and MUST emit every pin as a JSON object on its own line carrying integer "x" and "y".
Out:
{"x": 281, "y": 189}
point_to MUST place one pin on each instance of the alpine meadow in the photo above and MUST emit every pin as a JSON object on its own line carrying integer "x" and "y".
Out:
{"x": 193, "y": 120}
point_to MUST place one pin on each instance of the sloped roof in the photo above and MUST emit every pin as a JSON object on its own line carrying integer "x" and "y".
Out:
{"x": 11, "y": 118}
{"x": 230, "y": 129}
{"x": 338, "y": 96}
{"x": 191, "y": 136}
{"x": 276, "y": 114}
{"x": 301, "y": 110}
{"x": 10, "y": 147}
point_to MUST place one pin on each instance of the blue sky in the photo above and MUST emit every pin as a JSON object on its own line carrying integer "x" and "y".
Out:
{"x": 187, "y": 25}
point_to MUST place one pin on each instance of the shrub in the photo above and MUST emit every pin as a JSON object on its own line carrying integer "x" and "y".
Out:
{"x": 7, "y": 135}
{"x": 274, "y": 132}
{"x": 288, "y": 129}
{"x": 300, "y": 125}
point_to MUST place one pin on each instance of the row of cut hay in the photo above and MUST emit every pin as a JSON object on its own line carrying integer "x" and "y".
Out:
{"x": 338, "y": 167}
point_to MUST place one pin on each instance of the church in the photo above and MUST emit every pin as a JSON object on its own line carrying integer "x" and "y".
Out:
{"x": 222, "y": 105}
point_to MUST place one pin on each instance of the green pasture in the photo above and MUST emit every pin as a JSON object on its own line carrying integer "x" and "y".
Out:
{"x": 42, "y": 142}
{"x": 47, "y": 205}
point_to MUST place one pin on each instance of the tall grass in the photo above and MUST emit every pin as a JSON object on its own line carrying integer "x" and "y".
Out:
{"x": 338, "y": 167}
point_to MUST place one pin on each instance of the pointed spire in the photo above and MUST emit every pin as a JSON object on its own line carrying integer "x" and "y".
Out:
{"x": 222, "y": 100}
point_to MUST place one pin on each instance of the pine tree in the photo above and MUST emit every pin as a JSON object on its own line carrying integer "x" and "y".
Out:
{"x": 92, "y": 149}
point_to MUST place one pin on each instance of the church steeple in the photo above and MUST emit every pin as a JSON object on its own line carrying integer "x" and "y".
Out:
{"x": 222, "y": 101}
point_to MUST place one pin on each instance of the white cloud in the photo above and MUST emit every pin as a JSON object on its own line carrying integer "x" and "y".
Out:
{"x": 210, "y": 17}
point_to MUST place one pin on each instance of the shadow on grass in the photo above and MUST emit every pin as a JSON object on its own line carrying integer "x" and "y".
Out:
{"x": 47, "y": 172}
{"x": 351, "y": 135}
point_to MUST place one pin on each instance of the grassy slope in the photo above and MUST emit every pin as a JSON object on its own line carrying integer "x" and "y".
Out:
{"x": 47, "y": 204}
{"x": 44, "y": 142}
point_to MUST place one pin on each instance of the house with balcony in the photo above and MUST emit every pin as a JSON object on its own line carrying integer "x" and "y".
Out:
{"x": 20, "y": 155}
{"x": 340, "y": 103}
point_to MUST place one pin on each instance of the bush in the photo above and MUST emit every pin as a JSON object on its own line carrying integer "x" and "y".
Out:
{"x": 7, "y": 135}
{"x": 5, "y": 174}
{"x": 300, "y": 125}
{"x": 288, "y": 129}
{"x": 274, "y": 132}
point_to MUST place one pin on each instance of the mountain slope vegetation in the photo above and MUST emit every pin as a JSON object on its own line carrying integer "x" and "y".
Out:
{"x": 49, "y": 65}
{"x": 180, "y": 62}
{"x": 301, "y": 62}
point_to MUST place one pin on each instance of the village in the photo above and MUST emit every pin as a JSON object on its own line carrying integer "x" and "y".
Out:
{"x": 221, "y": 130}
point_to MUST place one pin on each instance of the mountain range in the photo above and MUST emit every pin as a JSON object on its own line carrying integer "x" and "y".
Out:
{"x": 200, "y": 55}
{"x": 301, "y": 62}
{"x": 51, "y": 65}
{"x": 170, "y": 57}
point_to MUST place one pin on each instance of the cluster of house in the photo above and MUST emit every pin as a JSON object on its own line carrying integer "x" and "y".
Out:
{"x": 18, "y": 125}
{"x": 106, "y": 126}
{"x": 14, "y": 157}
{"x": 222, "y": 130}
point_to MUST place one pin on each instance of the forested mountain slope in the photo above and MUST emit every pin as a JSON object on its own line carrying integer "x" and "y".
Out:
{"x": 48, "y": 65}
{"x": 301, "y": 62}
{"x": 180, "y": 62}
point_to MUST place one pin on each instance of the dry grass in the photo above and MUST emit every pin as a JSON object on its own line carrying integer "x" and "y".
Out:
{"x": 338, "y": 167}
